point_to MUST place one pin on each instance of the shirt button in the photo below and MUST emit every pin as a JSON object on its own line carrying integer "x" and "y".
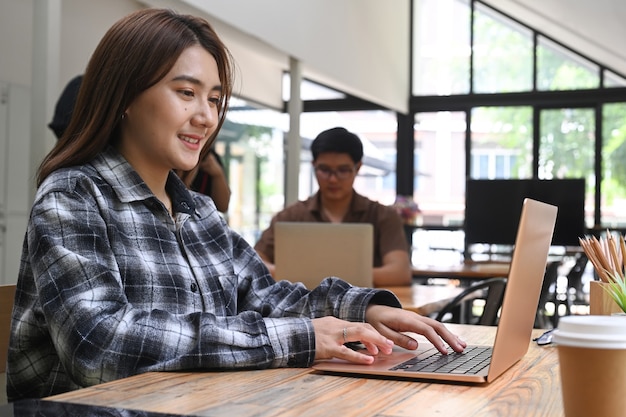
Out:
{"x": 194, "y": 287}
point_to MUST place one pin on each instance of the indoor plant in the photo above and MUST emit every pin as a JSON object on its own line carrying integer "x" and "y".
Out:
{"x": 617, "y": 290}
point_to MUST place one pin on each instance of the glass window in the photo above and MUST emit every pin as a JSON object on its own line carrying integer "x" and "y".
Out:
{"x": 561, "y": 69}
{"x": 611, "y": 79}
{"x": 441, "y": 47}
{"x": 502, "y": 53}
{"x": 567, "y": 148}
{"x": 613, "y": 205}
{"x": 251, "y": 146}
{"x": 501, "y": 142}
{"x": 417, "y": 166}
{"x": 440, "y": 142}
{"x": 567, "y": 140}
{"x": 508, "y": 57}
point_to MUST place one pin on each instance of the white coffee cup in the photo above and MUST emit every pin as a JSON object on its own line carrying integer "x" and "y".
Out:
{"x": 592, "y": 359}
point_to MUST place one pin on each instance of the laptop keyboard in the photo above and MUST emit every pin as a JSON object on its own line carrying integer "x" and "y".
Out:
{"x": 471, "y": 361}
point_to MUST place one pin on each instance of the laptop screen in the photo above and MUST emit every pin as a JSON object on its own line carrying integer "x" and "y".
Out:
{"x": 308, "y": 252}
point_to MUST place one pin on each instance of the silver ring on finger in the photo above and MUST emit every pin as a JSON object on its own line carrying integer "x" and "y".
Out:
{"x": 345, "y": 335}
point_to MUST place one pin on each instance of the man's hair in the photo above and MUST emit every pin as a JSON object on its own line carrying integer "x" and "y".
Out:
{"x": 338, "y": 140}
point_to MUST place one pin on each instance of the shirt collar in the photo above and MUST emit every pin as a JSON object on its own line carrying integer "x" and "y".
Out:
{"x": 129, "y": 186}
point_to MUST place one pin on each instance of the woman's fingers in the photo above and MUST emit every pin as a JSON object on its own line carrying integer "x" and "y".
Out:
{"x": 386, "y": 326}
{"x": 331, "y": 335}
{"x": 364, "y": 333}
{"x": 393, "y": 322}
{"x": 440, "y": 336}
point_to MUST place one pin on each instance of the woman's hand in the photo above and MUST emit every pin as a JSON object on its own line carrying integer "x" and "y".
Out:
{"x": 331, "y": 333}
{"x": 392, "y": 322}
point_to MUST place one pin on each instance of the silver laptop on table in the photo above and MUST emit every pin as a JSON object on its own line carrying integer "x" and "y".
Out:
{"x": 482, "y": 363}
{"x": 308, "y": 252}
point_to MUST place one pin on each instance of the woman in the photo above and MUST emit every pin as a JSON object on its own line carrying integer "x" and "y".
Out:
{"x": 209, "y": 178}
{"x": 125, "y": 271}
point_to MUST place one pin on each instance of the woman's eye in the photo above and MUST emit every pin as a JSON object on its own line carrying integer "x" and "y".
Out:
{"x": 215, "y": 100}
{"x": 187, "y": 93}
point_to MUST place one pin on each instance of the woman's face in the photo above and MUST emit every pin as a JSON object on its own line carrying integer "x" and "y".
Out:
{"x": 167, "y": 125}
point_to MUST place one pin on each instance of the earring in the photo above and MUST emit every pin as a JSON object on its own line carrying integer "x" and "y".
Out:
{"x": 123, "y": 116}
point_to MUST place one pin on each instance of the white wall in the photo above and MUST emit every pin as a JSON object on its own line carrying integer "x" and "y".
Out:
{"x": 83, "y": 23}
{"x": 16, "y": 29}
{"x": 43, "y": 43}
{"x": 15, "y": 176}
{"x": 15, "y": 79}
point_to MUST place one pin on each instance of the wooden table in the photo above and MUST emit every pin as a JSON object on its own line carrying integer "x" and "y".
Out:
{"x": 425, "y": 299}
{"x": 464, "y": 272}
{"x": 530, "y": 388}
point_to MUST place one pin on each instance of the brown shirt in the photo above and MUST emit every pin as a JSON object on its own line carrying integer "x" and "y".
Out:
{"x": 388, "y": 227}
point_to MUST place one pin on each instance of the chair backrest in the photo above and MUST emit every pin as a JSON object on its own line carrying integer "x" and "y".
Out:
{"x": 548, "y": 294}
{"x": 493, "y": 300}
{"x": 549, "y": 282}
{"x": 574, "y": 276}
{"x": 7, "y": 296}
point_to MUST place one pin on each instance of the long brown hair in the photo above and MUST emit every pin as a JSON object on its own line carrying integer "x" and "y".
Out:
{"x": 134, "y": 54}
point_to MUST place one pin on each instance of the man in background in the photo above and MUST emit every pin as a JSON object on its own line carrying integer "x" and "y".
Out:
{"x": 337, "y": 158}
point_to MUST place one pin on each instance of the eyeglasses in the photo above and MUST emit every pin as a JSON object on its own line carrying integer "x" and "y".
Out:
{"x": 341, "y": 173}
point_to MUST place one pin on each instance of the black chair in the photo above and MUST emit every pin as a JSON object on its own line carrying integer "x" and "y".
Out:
{"x": 547, "y": 295}
{"x": 491, "y": 290}
{"x": 576, "y": 294}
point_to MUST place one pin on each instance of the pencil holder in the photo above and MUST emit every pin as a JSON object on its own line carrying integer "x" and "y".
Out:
{"x": 600, "y": 301}
{"x": 608, "y": 256}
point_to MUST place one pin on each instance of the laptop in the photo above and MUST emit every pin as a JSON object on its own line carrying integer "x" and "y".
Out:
{"x": 308, "y": 252}
{"x": 517, "y": 316}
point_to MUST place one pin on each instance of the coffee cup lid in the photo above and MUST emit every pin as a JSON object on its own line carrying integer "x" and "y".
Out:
{"x": 596, "y": 332}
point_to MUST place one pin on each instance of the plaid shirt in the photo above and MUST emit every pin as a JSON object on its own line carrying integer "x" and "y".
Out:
{"x": 110, "y": 286}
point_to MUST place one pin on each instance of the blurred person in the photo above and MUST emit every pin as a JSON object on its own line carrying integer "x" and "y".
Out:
{"x": 65, "y": 106}
{"x": 337, "y": 158}
{"x": 209, "y": 179}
